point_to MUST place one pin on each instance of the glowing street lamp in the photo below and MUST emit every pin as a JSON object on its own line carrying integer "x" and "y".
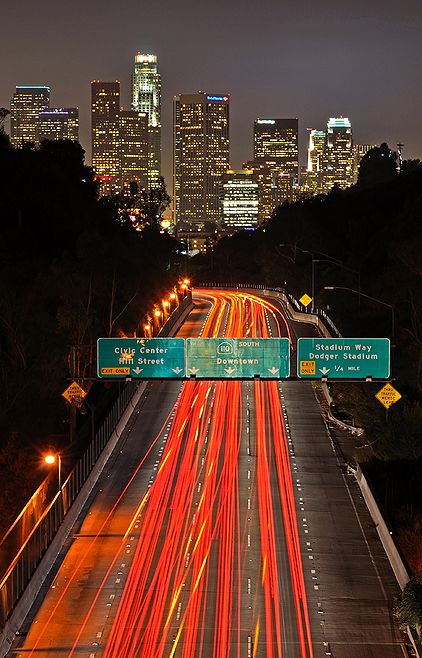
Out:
{"x": 50, "y": 459}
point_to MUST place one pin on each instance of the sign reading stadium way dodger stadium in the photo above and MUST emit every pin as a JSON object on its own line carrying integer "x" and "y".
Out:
{"x": 141, "y": 358}
{"x": 237, "y": 358}
{"x": 343, "y": 358}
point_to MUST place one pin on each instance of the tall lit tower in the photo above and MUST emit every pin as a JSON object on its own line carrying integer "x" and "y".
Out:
{"x": 315, "y": 160}
{"x": 276, "y": 160}
{"x": 146, "y": 99}
{"x": 338, "y": 156}
{"x": 134, "y": 148}
{"x": 27, "y": 102}
{"x": 105, "y": 119}
{"x": 201, "y": 158}
{"x": 276, "y": 143}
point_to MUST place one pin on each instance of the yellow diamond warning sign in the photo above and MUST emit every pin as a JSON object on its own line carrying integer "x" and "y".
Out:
{"x": 307, "y": 367}
{"x": 74, "y": 394}
{"x": 305, "y": 299}
{"x": 388, "y": 396}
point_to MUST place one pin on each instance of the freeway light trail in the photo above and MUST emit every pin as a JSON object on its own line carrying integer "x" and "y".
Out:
{"x": 206, "y": 578}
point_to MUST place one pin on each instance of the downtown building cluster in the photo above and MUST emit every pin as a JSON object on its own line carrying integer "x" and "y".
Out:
{"x": 32, "y": 119}
{"x": 209, "y": 197}
{"x": 126, "y": 144}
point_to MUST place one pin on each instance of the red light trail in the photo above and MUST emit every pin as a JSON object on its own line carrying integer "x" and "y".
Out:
{"x": 190, "y": 577}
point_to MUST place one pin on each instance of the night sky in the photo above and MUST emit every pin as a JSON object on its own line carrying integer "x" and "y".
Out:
{"x": 360, "y": 59}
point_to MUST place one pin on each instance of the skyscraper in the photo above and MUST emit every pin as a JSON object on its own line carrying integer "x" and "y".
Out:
{"x": 276, "y": 158}
{"x": 27, "y": 102}
{"x": 239, "y": 200}
{"x": 201, "y": 158}
{"x": 58, "y": 123}
{"x": 338, "y": 154}
{"x": 316, "y": 149}
{"x": 133, "y": 148}
{"x": 105, "y": 124}
{"x": 276, "y": 143}
{"x": 359, "y": 150}
{"x": 146, "y": 99}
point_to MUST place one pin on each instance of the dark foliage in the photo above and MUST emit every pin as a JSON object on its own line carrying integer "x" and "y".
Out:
{"x": 70, "y": 271}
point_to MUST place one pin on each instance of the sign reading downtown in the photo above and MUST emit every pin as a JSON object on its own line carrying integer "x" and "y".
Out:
{"x": 343, "y": 358}
{"x": 141, "y": 358}
{"x": 238, "y": 358}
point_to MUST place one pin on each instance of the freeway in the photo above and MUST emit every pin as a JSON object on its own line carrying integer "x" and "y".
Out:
{"x": 206, "y": 535}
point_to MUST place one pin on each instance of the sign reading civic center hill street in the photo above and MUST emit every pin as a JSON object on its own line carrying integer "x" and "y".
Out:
{"x": 140, "y": 358}
{"x": 343, "y": 358}
{"x": 237, "y": 358}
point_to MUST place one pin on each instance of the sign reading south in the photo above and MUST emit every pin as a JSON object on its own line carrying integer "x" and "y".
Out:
{"x": 237, "y": 358}
{"x": 141, "y": 358}
{"x": 343, "y": 358}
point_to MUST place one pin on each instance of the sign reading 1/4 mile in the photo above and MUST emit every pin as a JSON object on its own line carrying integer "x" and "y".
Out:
{"x": 343, "y": 358}
{"x": 142, "y": 358}
{"x": 237, "y": 358}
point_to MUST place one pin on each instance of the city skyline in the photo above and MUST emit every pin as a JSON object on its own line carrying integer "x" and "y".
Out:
{"x": 273, "y": 60}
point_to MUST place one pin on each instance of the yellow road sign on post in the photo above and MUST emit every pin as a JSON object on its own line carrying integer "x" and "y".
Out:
{"x": 305, "y": 299}
{"x": 388, "y": 396}
{"x": 74, "y": 394}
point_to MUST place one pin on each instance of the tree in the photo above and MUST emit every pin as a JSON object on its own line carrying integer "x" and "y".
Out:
{"x": 408, "y": 609}
{"x": 4, "y": 138}
{"x": 378, "y": 165}
{"x": 151, "y": 206}
{"x": 409, "y": 166}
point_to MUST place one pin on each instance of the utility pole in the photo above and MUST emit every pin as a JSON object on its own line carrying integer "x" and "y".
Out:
{"x": 72, "y": 411}
{"x": 400, "y": 154}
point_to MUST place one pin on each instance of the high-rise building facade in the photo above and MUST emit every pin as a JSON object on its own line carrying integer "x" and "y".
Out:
{"x": 133, "y": 127}
{"x": 359, "y": 150}
{"x": 276, "y": 143}
{"x": 58, "y": 123}
{"x": 105, "y": 132}
{"x": 276, "y": 159}
{"x": 27, "y": 102}
{"x": 338, "y": 154}
{"x": 239, "y": 200}
{"x": 316, "y": 148}
{"x": 201, "y": 158}
{"x": 146, "y": 99}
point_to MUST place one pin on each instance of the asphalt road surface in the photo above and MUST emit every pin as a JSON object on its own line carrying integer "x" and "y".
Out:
{"x": 224, "y": 525}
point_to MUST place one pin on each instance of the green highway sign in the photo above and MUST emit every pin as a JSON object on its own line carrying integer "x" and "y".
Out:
{"x": 343, "y": 358}
{"x": 237, "y": 358}
{"x": 141, "y": 358}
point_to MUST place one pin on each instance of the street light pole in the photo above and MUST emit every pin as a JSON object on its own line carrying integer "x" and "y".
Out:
{"x": 330, "y": 259}
{"x": 51, "y": 459}
{"x": 372, "y": 299}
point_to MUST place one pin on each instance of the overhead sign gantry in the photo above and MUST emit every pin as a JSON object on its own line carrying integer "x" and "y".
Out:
{"x": 242, "y": 358}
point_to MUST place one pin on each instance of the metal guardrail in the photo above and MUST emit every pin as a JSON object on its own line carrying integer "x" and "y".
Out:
{"x": 30, "y": 554}
{"x": 255, "y": 286}
{"x": 24, "y": 564}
